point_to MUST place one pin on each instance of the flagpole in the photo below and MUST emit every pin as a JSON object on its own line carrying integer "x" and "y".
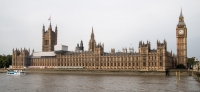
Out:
{"x": 50, "y": 19}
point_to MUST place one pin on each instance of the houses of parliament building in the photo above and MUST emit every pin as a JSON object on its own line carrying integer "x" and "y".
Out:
{"x": 145, "y": 59}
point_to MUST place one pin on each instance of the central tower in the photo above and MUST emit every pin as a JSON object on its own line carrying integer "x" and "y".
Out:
{"x": 92, "y": 43}
{"x": 181, "y": 41}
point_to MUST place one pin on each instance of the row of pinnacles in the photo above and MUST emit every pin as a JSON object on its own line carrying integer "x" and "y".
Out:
{"x": 99, "y": 49}
{"x": 20, "y": 57}
{"x": 145, "y": 48}
{"x": 79, "y": 48}
{"x": 124, "y": 50}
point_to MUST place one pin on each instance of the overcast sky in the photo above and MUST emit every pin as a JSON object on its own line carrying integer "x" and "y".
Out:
{"x": 116, "y": 23}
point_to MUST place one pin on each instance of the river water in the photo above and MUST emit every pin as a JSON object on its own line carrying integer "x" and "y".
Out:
{"x": 96, "y": 83}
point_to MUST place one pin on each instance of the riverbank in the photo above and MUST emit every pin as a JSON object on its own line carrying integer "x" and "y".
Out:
{"x": 87, "y": 71}
{"x": 172, "y": 72}
{"x": 2, "y": 70}
{"x": 196, "y": 75}
{"x": 81, "y": 71}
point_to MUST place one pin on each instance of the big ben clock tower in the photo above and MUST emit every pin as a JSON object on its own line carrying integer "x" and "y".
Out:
{"x": 181, "y": 41}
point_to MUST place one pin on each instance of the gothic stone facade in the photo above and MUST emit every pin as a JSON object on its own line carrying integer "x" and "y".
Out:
{"x": 146, "y": 59}
{"x": 49, "y": 39}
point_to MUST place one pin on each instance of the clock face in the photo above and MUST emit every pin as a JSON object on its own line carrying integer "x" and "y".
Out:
{"x": 180, "y": 31}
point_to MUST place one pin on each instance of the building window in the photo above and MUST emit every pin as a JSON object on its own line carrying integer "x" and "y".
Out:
{"x": 144, "y": 63}
{"x": 144, "y": 58}
{"x": 46, "y": 42}
{"x": 161, "y": 64}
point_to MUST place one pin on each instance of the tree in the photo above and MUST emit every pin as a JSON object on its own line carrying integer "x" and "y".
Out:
{"x": 5, "y": 61}
{"x": 180, "y": 66}
{"x": 191, "y": 62}
{"x": 1, "y": 60}
{"x": 9, "y": 60}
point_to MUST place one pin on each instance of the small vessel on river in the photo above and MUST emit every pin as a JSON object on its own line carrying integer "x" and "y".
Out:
{"x": 16, "y": 72}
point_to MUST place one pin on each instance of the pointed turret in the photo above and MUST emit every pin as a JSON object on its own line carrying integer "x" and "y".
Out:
{"x": 81, "y": 44}
{"x": 92, "y": 34}
{"x": 165, "y": 42}
{"x": 56, "y": 29}
{"x": 140, "y": 44}
{"x": 157, "y": 41}
{"x": 92, "y": 42}
{"x": 181, "y": 21}
{"x": 43, "y": 28}
{"x": 50, "y": 28}
{"x": 77, "y": 45}
{"x": 81, "y": 48}
{"x": 181, "y": 15}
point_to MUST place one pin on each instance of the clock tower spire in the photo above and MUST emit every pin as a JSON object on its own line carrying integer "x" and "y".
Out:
{"x": 181, "y": 41}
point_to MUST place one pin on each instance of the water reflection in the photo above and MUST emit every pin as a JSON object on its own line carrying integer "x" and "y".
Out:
{"x": 96, "y": 83}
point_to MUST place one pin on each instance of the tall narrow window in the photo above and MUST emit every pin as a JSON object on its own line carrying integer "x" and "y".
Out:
{"x": 46, "y": 42}
{"x": 161, "y": 64}
{"x": 144, "y": 63}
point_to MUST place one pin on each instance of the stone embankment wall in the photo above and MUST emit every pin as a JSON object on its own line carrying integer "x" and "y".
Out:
{"x": 84, "y": 71}
{"x": 196, "y": 75}
{"x": 2, "y": 70}
{"x": 175, "y": 72}
{"x": 171, "y": 72}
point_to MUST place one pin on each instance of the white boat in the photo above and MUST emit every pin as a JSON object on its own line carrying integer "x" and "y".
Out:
{"x": 16, "y": 72}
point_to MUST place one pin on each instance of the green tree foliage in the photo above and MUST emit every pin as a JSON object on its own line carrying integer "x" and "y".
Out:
{"x": 180, "y": 66}
{"x": 191, "y": 62}
{"x": 5, "y": 61}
